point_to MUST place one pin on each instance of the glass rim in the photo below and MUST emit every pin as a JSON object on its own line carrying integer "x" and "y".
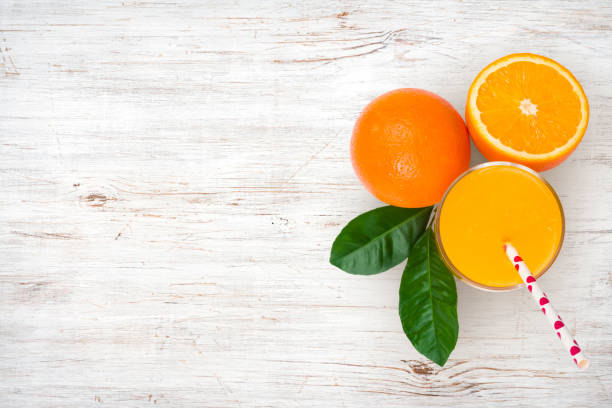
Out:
{"x": 445, "y": 258}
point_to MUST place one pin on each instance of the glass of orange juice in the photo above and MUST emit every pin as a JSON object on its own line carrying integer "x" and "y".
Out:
{"x": 492, "y": 204}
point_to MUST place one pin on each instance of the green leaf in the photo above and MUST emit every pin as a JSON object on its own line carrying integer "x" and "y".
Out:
{"x": 378, "y": 240}
{"x": 428, "y": 301}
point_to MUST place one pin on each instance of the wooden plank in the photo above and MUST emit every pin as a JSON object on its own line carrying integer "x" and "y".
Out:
{"x": 173, "y": 175}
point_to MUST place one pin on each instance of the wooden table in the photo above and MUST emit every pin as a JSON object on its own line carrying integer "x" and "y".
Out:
{"x": 173, "y": 175}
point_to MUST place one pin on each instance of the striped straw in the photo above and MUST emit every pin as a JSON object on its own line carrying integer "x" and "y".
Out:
{"x": 551, "y": 314}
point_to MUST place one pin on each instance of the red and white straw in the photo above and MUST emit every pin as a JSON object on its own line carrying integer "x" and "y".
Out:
{"x": 551, "y": 314}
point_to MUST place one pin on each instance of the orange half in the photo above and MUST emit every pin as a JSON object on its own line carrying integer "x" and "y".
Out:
{"x": 527, "y": 109}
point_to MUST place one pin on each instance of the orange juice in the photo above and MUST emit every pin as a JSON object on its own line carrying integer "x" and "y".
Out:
{"x": 490, "y": 205}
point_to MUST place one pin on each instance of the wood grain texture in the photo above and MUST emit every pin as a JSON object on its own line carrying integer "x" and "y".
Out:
{"x": 173, "y": 175}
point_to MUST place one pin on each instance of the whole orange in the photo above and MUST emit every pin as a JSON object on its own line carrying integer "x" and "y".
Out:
{"x": 408, "y": 146}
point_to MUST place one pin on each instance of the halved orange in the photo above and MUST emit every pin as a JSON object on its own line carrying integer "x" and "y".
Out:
{"x": 527, "y": 109}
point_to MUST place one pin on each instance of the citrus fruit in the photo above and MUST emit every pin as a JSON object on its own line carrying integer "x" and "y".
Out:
{"x": 527, "y": 109}
{"x": 408, "y": 146}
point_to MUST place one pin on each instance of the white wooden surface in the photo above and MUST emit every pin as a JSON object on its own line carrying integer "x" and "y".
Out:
{"x": 173, "y": 174}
